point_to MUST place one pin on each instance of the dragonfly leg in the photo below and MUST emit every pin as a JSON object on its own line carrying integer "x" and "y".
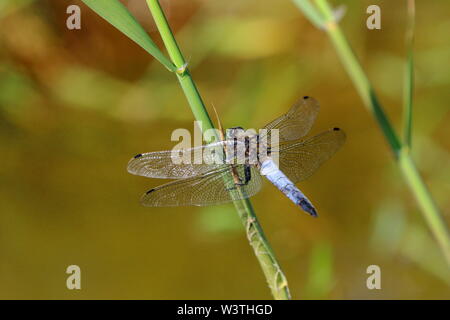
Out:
{"x": 247, "y": 177}
{"x": 239, "y": 184}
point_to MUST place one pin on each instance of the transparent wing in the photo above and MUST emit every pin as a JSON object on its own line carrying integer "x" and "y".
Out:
{"x": 297, "y": 122}
{"x": 180, "y": 164}
{"x": 212, "y": 188}
{"x": 300, "y": 159}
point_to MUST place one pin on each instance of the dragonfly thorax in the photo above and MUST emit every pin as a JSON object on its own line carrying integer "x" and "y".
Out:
{"x": 248, "y": 148}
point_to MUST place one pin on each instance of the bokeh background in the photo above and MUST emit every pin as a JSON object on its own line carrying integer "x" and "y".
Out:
{"x": 76, "y": 105}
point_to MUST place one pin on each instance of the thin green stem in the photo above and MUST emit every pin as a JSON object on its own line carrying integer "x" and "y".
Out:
{"x": 275, "y": 277}
{"x": 410, "y": 173}
{"x": 430, "y": 210}
{"x": 358, "y": 76}
{"x": 409, "y": 76}
{"x": 183, "y": 75}
{"x": 310, "y": 12}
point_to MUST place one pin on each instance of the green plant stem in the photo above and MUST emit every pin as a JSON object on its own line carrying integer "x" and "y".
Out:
{"x": 359, "y": 78}
{"x": 415, "y": 182}
{"x": 408, "y": 90}
{"x": 408, "y": 101}
{"x": 426, "y": 202}
{"x": 275, "y": 277}
{"x": 183, "y": 75}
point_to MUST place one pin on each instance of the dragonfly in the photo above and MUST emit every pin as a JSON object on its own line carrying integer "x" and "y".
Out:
{"x": 218, "y": 180}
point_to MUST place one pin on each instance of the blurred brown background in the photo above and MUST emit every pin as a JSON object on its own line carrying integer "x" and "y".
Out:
{"x": 76, "y": 105}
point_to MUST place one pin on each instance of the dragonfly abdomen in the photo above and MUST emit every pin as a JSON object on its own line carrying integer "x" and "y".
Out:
{"x": 289, "y": 189}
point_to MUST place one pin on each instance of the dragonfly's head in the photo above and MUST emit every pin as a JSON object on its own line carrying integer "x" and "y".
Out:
{"x": 235, "y": 132}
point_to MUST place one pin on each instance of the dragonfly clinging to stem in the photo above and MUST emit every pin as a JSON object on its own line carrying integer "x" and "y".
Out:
{"x": 223, "y": 176}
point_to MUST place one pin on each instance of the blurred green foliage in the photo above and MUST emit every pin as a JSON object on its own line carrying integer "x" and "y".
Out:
{"x": 76, "y": 105}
